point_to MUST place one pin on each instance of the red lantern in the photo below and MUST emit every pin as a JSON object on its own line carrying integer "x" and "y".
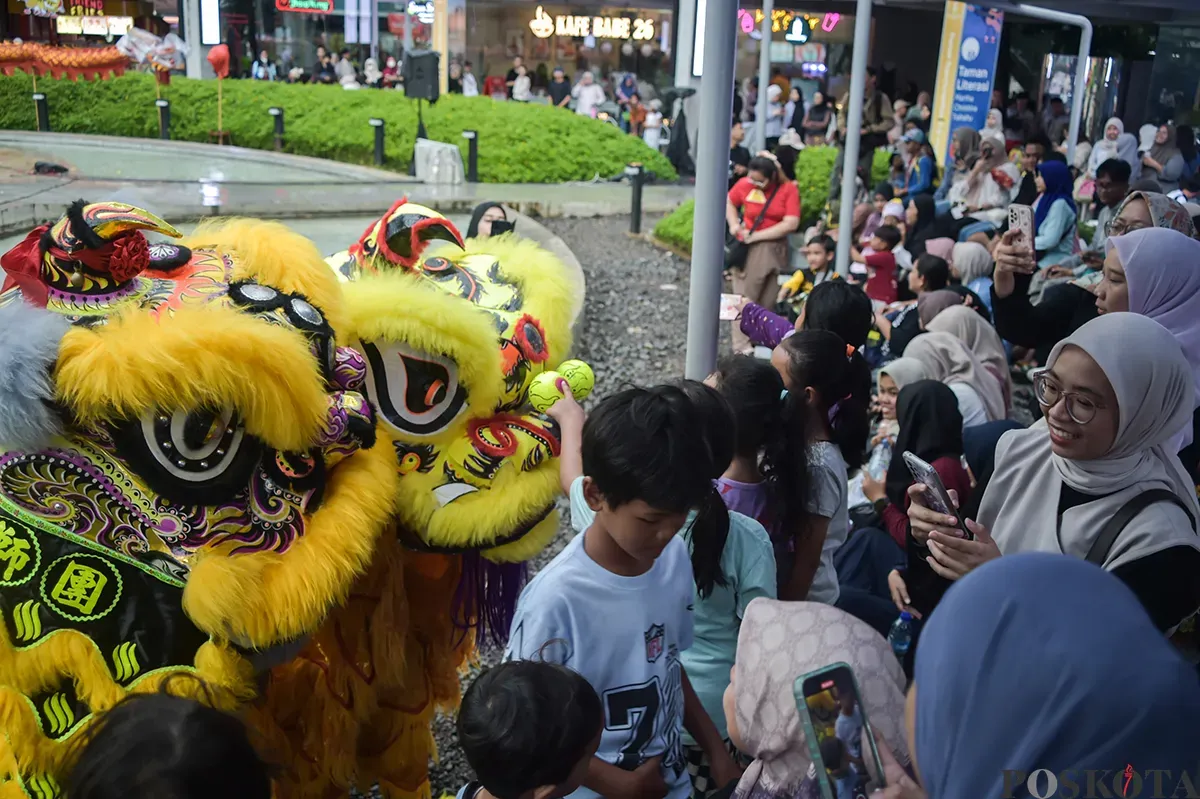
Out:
{"x": 219, "y": 58}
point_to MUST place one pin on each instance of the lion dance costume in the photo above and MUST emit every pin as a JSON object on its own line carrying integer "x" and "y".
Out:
{"x": 294, "y": 489}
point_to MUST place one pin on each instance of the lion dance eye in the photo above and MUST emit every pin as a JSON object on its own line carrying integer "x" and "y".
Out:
{"x": 409, "y": 463}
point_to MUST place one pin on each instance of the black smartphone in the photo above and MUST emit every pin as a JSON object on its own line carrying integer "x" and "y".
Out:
{"x": 840, "y": 738}
{"x": 502, "y": 226}
{"x": 936, "y": 496}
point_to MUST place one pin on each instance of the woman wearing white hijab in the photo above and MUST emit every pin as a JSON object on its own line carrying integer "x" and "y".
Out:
{"x": 1107, "y": 147}
{"x": 1094, "y": 479}
{"x": 981, "y": 338}
{"x": 946, "y": 359}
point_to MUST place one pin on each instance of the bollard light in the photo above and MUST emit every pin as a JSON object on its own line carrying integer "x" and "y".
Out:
{"x": 378, "y": 125}
{"x": 635, "y": 173}
{"x": 43, "y": 112}
{"x": 164, "y": 119}
{"x": 472, "y": 138}
{"x": 277, "y": 113}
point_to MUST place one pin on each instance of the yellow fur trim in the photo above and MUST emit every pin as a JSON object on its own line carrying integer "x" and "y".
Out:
{"x": 356, "y": 707}
{"x": 550, "y": 295}
{"x": 67, "y": 656}
{"x": 272, "y": 254}
{"x": 203, "y": 357}
{"x": 266, "y": 598}
{"x": 528, "y": 545}
{"x": 398, "y": 307}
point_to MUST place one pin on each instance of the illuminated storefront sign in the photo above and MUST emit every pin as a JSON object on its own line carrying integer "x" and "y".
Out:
{"x": 799, "y": 32}
{"x": 306, "y": 6}
{"x": 423, "y": 11}
{"x": 784, "y": 20}
{"x": 544, "y": 26}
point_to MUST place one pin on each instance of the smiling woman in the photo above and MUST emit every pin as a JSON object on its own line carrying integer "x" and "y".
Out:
{"x": 1114, "y": 394}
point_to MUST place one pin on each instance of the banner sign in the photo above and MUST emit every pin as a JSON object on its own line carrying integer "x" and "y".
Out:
{"x": 966, "y": 72}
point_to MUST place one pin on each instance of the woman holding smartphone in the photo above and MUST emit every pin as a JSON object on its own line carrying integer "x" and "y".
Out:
{"x": 1094, "y": 479}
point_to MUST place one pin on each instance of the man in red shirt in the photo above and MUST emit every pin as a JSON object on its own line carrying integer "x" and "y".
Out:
{"x": 882, "y": 286}
{"x": 761, "y": 210}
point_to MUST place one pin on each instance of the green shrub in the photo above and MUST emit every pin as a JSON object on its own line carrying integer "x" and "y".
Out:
{"x": 518, "y": 142}
{"x": 814, "y": 166}
{"x": 676, "y": 227}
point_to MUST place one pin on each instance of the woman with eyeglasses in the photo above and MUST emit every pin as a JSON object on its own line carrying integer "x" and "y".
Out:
{"x": 1096, "y": 478}
{"x": 1066, "y": 307}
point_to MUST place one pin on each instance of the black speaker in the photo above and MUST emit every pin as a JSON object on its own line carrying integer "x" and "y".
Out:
{"x": 421, "y": 75}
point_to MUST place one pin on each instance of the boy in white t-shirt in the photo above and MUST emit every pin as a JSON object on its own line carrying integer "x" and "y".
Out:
{"x": 616, "y": 604}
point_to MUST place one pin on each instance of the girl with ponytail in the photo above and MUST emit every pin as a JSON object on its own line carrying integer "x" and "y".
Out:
{"x": 832, "y": 379}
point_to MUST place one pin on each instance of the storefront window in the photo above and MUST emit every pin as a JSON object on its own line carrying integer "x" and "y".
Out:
{"x": 579, "y": 37}
{"x": 1175, "y": 78}
{"x": 809, "y": 48}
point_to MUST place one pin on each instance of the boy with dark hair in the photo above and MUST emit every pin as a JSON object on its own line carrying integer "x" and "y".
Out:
{"x": 839, "y": 767}
{"x": 616, "y": 604}
{"x": 529, "y": 731}
{"x": 1034, "y": 152}
{"x": 819, "y": 251}
{"x": 880, "y": 265}
{"x": 931, "y": 273}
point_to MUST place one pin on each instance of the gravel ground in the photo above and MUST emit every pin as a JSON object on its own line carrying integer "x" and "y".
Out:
{"x": 634, "y": 331}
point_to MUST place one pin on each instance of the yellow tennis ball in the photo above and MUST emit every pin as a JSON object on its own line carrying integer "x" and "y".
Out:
{"x": 580, "y": 378}
{"x": 544, "y": 391}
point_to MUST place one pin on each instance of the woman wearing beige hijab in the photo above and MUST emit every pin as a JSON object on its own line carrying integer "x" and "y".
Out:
{"x": 948, "y": 360}
{"x": 778, "y": 642}
{"x": 981, "y": 338}
{"x": 1095, "y": 479}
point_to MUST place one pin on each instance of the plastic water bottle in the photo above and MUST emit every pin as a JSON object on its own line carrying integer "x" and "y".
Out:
{"x": 901, "y": 635}
{"x": 880, "y": 459}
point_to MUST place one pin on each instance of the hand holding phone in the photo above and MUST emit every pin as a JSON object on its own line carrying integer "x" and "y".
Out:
{"x": 839, "y": 733}
{"x": 934, "y": 493}
{"x": 731, "y": 307}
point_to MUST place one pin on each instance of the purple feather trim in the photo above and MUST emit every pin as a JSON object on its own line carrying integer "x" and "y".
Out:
{"x": 486, "y": 598}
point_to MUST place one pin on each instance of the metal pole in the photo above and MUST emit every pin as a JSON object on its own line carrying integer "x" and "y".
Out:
{"x": 712, "y": 183}
{"x": 164, "y": 119}
{"x": 854, "y": 118}
{"x": 764, "y": 76}
{"x": 635, "y": 172}
{"x": 408, "y": 33}
{"x": 1085, "y": 51}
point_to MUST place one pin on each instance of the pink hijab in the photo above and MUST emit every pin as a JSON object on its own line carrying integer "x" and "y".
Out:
{"x": 1162, "y": 267}
{"x": 943, "y": 248}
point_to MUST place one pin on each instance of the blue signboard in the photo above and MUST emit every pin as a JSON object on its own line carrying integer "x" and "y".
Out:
{"x": 970, "y": 43}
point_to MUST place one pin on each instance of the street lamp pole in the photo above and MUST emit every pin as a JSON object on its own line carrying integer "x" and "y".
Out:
{"x": 712, "y": 183}
{"x": 854, "y": 119}
{"x": 764, "y": 76}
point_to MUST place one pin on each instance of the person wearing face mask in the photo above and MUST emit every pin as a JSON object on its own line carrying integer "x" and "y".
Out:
{"x": 1065, "y": 307}
{"x": 1012, "y": 681}
{"x": 391, "y": 73}
{"x": 762, "y": 209}
{"x": 484, "y": 219}
{"x": 1096, "y": 479}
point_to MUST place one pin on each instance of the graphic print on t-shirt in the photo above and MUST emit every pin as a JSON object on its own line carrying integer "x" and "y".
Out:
{"x": 638, "y": 709}
{"x": 654, "y": 643}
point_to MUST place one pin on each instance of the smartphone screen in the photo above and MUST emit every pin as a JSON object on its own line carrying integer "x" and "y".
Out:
{"x": 936, "y": 496}
{"x": 840, "y": 739}
{"x": 729, "y": 307}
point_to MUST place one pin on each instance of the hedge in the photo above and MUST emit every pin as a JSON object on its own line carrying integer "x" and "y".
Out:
{"x": 518, "y": 142}
{"x": 814, "y": 165}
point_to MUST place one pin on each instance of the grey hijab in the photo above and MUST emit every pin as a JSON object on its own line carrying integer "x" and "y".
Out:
{"x": 1153, "y": 383}
{"x": 948, "y": 360}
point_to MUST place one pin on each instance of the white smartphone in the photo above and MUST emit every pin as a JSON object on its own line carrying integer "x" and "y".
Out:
{"x": 936, "y": 496}
{"x": 729, "y": 307}
{"x": 1020, "y": 217}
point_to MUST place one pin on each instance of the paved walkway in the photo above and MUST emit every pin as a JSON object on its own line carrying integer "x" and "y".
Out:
{"x": 168, "y": 176}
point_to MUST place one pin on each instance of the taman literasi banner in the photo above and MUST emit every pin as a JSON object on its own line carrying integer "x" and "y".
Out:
{"x": 966, "y": 71}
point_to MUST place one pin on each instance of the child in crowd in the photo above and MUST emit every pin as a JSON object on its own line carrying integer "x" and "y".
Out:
{"x": 637, "y": 115}
{"x": 616, "y": 604}
{"x": 881, "y": 285}
{"x": 836, "y": 305}
{"x": 896, "y": 176}
{"x": 921, "y": 167}
{"x": 529, "y": 730}
{"x": 654, "y": 119}
{"x": 158, "y": 746}
{"x": 770, "y": 461}
{"x": 819, "y": 253}
{"x": 834, "y": 382}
